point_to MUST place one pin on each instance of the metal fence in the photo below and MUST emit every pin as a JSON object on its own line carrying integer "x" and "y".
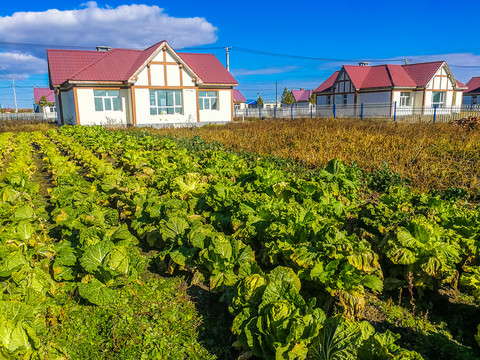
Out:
{"x": 365, "y": 111}
{"x": 29, "y": 116}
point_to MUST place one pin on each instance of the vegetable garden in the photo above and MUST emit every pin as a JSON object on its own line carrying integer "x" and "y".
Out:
{"x": 324, "y": 263}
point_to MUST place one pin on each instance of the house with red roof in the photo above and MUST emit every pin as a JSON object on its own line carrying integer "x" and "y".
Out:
{"x": 403, "y": 88}
{"x": 48, "y": 111}
{"x": 239, "y": 100}
{"x": 301, "y": 97}
{"x": 472, "y": 95}
{"x": 139, "y": 87}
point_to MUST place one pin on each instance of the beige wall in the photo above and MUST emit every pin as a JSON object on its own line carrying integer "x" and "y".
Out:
{"x": 224, "y": 109}
{"x": 142, "y": 107}
{"x": 88, "y": 115}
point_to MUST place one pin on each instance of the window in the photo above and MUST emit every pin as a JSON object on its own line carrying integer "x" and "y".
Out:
{"x": 474, "y": 100}
{"x": 107, "y": 100}
{"x": 438, "y": 99}
{"x": 207, "y": 100}
{"x": 345, "y": 98}
{"x": 165, "y": 102}
{"x": 405, "y": 98}
{"x": 329, "y": 99}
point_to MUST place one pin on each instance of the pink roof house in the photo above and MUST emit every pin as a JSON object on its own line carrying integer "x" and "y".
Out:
{"x": 301, "y": 97}
{"x": 411, "y": 86}
{"x": 48, "y": 111}
{"x": 472, "y": 95}
{"x": 155, "y": 86}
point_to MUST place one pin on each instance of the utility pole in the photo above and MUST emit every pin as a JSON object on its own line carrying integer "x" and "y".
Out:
{"x": 276, "y": 93}
{"x": 14, "y": 94}
{"x": 228, "y": 57}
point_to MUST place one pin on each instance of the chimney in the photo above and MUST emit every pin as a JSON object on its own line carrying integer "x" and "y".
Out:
{"x": 364, "y": 63}
{"x": 103, "y": 48}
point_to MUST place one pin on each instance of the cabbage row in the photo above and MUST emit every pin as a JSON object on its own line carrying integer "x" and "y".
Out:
{"x": 293, "y": 253}
{"x": 211, "y": 212}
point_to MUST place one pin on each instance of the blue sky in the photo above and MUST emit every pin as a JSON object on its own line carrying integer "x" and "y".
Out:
{"x": 339, "y": 32}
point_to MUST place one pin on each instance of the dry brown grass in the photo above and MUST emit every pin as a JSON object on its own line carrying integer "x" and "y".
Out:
{"x": 431, "y": 156}
{"x": 26, "y": 125}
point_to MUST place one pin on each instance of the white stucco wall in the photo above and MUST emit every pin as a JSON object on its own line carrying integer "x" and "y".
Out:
{"x": 224, "y": 109}
{"x": 142, "y": 108}
{"x": 88, "y": 115}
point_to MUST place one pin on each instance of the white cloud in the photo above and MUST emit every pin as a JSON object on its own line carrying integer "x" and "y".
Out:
{"x": 129, "y": 26}
{"x": 266, "y": 71}
{"x": 20, "y": 65}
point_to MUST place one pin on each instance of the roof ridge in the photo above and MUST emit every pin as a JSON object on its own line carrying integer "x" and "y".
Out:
{"x": 387, "y": 66}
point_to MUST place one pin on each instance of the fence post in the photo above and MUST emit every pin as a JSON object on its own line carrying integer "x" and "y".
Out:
{"x": 361, "y": 112}
{"x": 291, "y": 112}
{"x": 311, "y": 111}
{"x": 395, "y": 111}
{"x": 260, "y": 112}
{"x": 434, "y": 113}
{"x": 334, "y": 110}
{"x": 275, "y": 112}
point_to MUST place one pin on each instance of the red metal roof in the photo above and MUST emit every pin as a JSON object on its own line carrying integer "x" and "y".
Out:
{"x": 399, "y": 76}
{"x": 422, "y": 73}
{"x": 39, "y": 92}
{"x": 387, "y": 76}
{"x": 115, "y": 65}
{"x": 64, "y": 63}
{"x": 327, "y": 84}
{"x": 301, "y": 95}
{"x": 208, "y": 68}
{"x": 122, "y": 64}
{"x": 238, "y": 97}
{"x": 473, "y": 85}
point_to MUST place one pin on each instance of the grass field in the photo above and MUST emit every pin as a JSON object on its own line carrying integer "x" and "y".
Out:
{"x": 436, "y": 156}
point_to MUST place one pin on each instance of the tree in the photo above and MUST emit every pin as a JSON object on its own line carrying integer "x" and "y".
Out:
{"x": 287, "y": 97}
{"x": 313, "y": 99}
{"x": 259, "y": 101}
{"x": 42, "y": 103}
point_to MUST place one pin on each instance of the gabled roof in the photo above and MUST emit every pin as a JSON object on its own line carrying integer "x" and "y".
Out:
{"x": 388, "y": 76}
{"x": 39, "y": 92}
{"x": 473, "y": 85}
{"x": 208, "y": 68}
{"x": 327, "y": 84}
{"x": 120, "y": 65}
{"x": 422, "y": 73}
{"x": 238, "y": 97}
{"x": 301, "y": 95}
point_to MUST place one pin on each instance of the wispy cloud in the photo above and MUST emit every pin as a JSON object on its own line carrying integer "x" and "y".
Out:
{"x": 134, "y": 26}
{"x": 265, "y": 71}
{"x": 20, "y": 65}
{"x": 129, "y": 26}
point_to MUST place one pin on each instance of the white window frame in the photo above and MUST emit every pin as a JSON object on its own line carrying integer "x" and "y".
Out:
{"x": 107, "y": 100}
{"x": 205, "y": 98}
{"x": 405, "y": 98}
{"x": 165, "y": 102}
{"x": 440, "y": 103}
